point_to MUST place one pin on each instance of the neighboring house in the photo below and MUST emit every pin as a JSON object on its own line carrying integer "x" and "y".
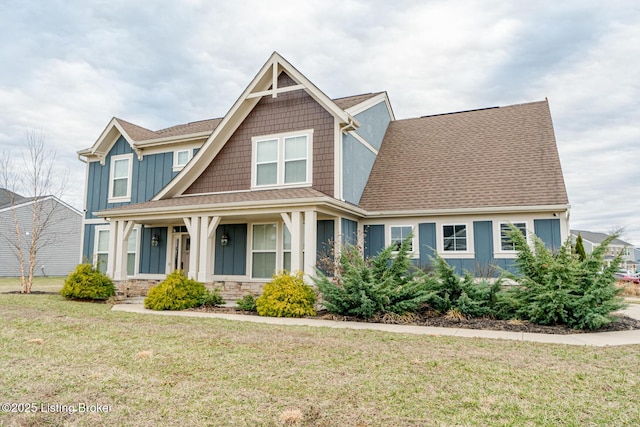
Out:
{"x": 289, "y": 170}
{"x": 591, "y": 240}
{"x": 58, "y": 245}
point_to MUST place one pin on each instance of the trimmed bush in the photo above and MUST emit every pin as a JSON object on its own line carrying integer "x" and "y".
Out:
{"x": 286, "y": 296}
{"x": 211, "y": 299}
{"x": 176, "y": 292}
{"x": 561, "y": 288}
{"x": 86, "y": 282}
{"x": 386, "y": 284}
{"x": 247, "y": 303}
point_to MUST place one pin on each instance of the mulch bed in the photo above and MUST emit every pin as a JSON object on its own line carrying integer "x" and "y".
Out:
{"x": 622, "y": 323}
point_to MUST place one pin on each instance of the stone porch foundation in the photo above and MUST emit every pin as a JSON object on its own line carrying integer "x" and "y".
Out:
{"x": 230, "y": 291}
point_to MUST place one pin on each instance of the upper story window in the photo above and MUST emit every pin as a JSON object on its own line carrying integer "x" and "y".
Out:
{"x": 455, "y": 238}
{"x": 120, "y": 178}
{"x": 505, "y": 241}
{"x": 181, "y": 158}
{"x": 282, "y": 160}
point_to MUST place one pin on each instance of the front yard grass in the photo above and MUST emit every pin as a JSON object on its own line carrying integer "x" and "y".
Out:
{"x": 164, "y": 370}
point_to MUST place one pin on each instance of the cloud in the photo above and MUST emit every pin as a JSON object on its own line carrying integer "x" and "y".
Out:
{"x": 74, "y": 66}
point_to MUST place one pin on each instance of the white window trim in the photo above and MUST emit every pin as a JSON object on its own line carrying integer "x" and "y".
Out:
{"x": 97, "y": 231}
{"x": 178, "y": 167}
{"x": 414, "y": 253}
{"x": 280, "y": 137}
{"x": 497, "y": 238}
{"x": 469, "y": 253}
{"x": 280, "y": 227}
{"x": 127, "y": 197}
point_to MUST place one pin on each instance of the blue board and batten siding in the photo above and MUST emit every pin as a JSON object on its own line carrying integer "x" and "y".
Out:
{"x": 483, "y": 263}
{"x": 153, "y": 258}
{"x": 231, "y": 260}
{"x": 357, "y": 160}
{"x": 148, "y": 177}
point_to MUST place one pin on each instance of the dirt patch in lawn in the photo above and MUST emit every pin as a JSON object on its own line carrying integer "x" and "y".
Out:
{"x": 622, "y": 323}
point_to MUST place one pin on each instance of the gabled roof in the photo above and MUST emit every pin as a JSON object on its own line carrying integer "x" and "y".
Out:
{"x": 265, "y": 83}
{"x": 598, "y": 238}
{"x": 7, "y": 198}
{"x": 490, "y": 158}
{"x": 19, "y": 202}
{"x": 139, "y": 137}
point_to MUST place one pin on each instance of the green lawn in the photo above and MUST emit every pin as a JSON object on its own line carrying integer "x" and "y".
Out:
{"x": 157, "y": 370}
{"x": 41, "y": 284}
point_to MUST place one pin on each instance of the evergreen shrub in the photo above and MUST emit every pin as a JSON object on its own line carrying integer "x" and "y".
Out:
{"x": 176, "y": 292}
{"x": 388, "y": 283}
{"x": 561, "y": 288}
{"x": 286, "y": 295}
{"x": 86, "y": 282}
{"x": 247, "y": 303}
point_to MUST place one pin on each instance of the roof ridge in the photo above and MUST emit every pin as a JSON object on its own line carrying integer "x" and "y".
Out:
{"x": 187, "y": 124}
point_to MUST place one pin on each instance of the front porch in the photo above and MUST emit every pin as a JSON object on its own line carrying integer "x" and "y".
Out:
{"x": 236, "y": 252}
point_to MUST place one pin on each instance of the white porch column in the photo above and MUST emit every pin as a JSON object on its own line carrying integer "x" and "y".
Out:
{"x": 296, "y": 242}
{"x": 193, "y": 226}
{"x": 208, "y": 226}
{"x": 310, "y": 242}
{"x": 123, "y": 232}
{"x": 113, "y": 238}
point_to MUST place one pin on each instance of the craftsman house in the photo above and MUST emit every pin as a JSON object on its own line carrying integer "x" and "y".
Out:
{"x": 288, "y": 170}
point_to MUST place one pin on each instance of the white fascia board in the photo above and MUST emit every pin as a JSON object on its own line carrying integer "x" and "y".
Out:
{"x": 234, "y": 208}
{"x": 172, "y": 139}
{"x": 365, "y": 105}
{"x": 105, "y": 141}
{"x": 468, "y": 211}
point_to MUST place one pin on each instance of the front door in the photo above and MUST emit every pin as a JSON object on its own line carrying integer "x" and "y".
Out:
{"x": 181, "y": 249}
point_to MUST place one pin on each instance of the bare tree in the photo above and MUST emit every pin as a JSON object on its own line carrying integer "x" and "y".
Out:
{"x": 37, "y": 176}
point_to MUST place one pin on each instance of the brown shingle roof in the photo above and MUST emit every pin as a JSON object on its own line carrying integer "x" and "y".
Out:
{"x": 138, "y": 133}
{"x": 277, "y": 195}
{"x": 350, "y": 101}
{"x": 485, "y": 158}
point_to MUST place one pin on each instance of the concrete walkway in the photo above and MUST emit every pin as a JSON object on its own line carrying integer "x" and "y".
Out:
{"x": 597, "y": 339}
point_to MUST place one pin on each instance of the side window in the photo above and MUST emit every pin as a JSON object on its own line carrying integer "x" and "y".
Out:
{"x": 120, "y": 178}
{"x": 505, "y": 242}
{"x": 454, "y": 237}
{"x": 399, "y": 234}
{"x": 181, "y": 158}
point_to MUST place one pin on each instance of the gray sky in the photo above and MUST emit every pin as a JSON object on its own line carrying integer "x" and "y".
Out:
{"x": 69, "y": 66}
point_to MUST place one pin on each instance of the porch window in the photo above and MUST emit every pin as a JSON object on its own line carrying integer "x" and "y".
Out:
{"x": 282, "y": 159}
{"x": 263, "y": 250}
{"x": 102, "y": 249}
{"x": 120, "y": 178}
{"x": 132, "y": 249}
{"x": 505, "y": 241}
{"x": 454, "y": 237}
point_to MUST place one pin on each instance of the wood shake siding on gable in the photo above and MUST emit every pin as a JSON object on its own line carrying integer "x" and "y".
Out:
{"x": 231, "y": 169}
